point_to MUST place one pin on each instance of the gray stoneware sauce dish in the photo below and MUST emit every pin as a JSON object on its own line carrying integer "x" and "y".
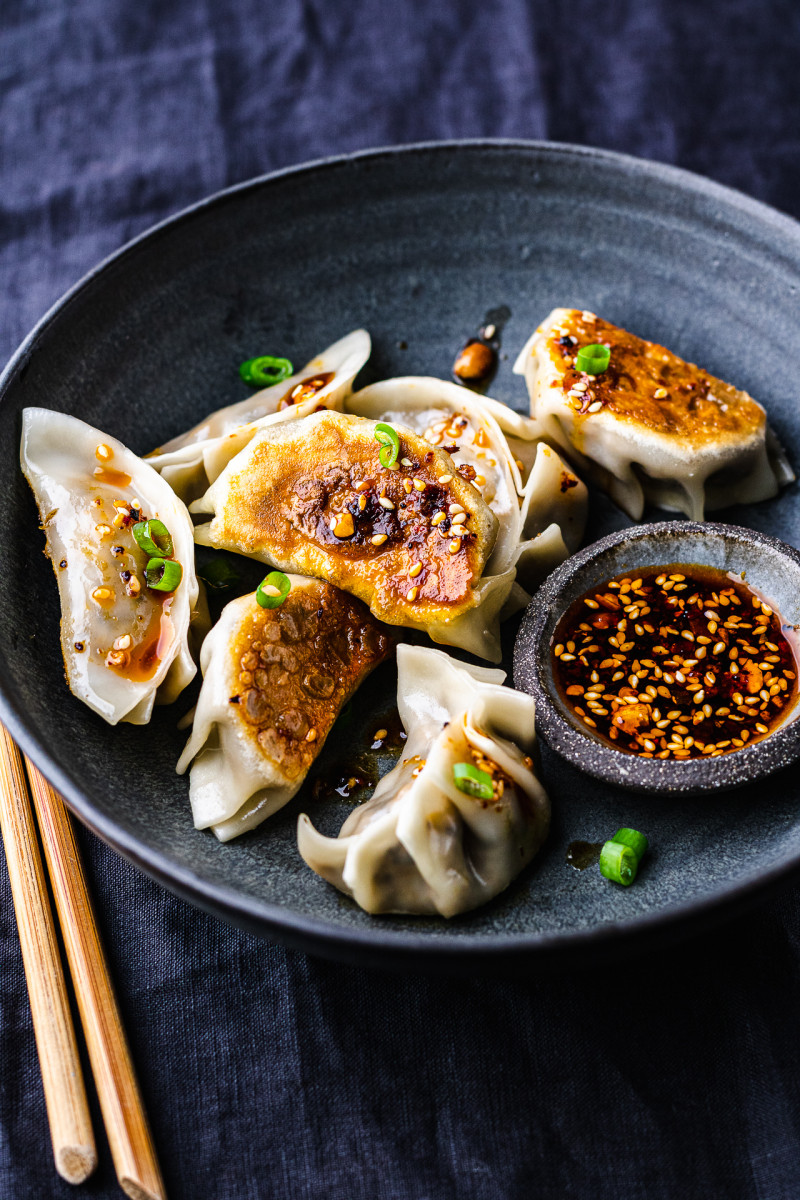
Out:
{"x": 768, "y": 565}
{"x": 416, "y": 245}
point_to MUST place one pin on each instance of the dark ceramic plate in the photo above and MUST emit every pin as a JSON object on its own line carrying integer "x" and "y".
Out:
{"x": 416, "y": 245}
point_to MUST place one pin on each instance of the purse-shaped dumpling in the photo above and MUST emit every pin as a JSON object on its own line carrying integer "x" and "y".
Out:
{"x": 422, "y": 844}
{"x": 650, "y": 427}
{"x": 412, "y": 540}
{"x": 541, "y": 521}
{"x": 274, "y": 681}
{"x": 191, "y": 462}
{"x": 124, "y": 630}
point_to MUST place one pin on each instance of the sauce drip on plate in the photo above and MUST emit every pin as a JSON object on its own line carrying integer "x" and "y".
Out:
{"x": 678, "y": 661}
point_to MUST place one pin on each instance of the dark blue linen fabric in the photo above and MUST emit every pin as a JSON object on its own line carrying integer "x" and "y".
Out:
{"x": 265, "y": 1072}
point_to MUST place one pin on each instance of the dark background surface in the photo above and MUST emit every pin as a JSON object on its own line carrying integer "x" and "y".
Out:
{"x": 267, "y": 1073}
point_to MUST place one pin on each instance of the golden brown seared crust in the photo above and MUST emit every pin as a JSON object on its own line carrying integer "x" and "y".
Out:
{"x": 648, "y": 385}
{"x": 316, "y": 499}
{"x": 296, "y": 666}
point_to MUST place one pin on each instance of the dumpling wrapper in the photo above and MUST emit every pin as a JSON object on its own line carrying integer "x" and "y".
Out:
{"x": 312, "y": 496}
{"x": 77, "y": 473}
{"x": 541, "y": 521}
{"x": 665, "y": 431}
{"x": 191, "y": 462}
{"x": 421, "y": 845}
{"x": 274, "y": 682}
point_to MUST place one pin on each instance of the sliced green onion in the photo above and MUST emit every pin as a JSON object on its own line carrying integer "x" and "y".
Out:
{"x": 265, "y": 370}
{"x": 618, "y": 863}
{"x": 468, "y": 778}
{"x": 163, "y": 574}
{"x": 593, "y": 359}
{"x": 273, "y": 590}
{"x": 631, "y": 837}
{"x": 218, "y": 574}
{"x": 390, "y": 444}
{"x": 154, "y": 538}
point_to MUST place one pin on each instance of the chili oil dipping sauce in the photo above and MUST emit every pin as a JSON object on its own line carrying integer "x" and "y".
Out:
{"x": 679, "y": 661}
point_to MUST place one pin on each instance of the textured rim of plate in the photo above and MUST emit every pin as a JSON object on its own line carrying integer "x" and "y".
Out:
{"x": 310, "y": 933}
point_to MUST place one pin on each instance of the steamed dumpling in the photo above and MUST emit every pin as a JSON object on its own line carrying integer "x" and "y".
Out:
{"x": 412, "y": 542}
{"x": 651, "y": 427}
{"x": 122, "y": 641}
{"x": 192, "y": 461}
{"x": 274, "y": 681}
{"x": 421, "y": 845}
{"x": 541, "y": 520}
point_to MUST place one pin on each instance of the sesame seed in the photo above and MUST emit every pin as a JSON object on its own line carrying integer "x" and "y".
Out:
{"x": 343, "y": 526}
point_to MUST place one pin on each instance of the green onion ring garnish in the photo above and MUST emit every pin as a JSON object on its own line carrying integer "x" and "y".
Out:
{"x": 469, "y": 779}
{"x": 390, "y": 444}
{"x": 593, "y": 360}
{"x": 273, "y": 590}
{"x": 265, "y": 370}
{"x": 218, "y": 574}
{"x": 618, "y": 863}
{"x": 154, "y": 538}
{"x": 631, "y": 837}
{"x": 163, "y": 574}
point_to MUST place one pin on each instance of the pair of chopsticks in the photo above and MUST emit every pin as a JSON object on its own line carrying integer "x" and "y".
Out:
{"x": 126, "y": 1125}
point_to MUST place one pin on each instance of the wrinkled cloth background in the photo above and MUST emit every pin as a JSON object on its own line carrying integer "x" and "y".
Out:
{"x": 267, "y": 1073}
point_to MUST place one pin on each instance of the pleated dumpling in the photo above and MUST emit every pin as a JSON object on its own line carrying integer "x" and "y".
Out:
{"x": 122, "y": 639}
{"x": 650, "y": 427}
{"x": 422, "y": 844}
{"x": 192, "y": 461}
{"x": 540, "y": 504}
{"x": 274, "y": 682}
{"x": 411, "y": 540}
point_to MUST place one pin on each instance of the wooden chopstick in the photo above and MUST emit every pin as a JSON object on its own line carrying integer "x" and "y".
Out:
{"x": 64, "y": 1092}
{"x": 120, "y": 1101}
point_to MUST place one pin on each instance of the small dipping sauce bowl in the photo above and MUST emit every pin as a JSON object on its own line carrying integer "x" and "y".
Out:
{"x": 770, "y": 567}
